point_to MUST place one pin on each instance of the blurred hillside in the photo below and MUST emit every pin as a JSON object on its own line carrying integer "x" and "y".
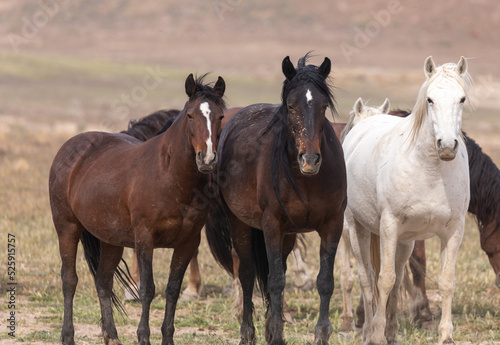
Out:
{"x": 252, "y": 36}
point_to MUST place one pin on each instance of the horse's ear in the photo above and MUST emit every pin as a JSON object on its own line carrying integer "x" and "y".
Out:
{"x": 429, "y": 67}
{"x": 384, "y": 108}
{"x": 220, "y": 86}
{"x": 462, "y": 66}
{"x": 288, "y": 68}
{"x": 325, "y": 68}
{"x": 358, "y": 106}
{"x": 190, "y": 85}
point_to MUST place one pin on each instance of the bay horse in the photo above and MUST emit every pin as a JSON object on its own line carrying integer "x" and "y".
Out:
{"x": 281, "y": 173}
{"x": 409, "y": 180}
{"x": 108, "y": 190}
{"x": 144, "y": 129}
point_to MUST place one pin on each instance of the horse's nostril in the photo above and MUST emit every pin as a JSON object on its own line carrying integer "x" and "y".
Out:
{"x": 456, "y": 144}
{"x": 318, "y": 158}
{"x": 439, "y": 143}
{"x": 301, "y": 154}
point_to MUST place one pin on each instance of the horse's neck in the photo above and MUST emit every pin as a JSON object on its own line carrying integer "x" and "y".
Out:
{"x": 175, "y": 152}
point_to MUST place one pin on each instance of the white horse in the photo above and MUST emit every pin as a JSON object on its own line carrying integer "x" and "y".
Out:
{"x": 359, "y": 112}
{"x": 409, "y": 180}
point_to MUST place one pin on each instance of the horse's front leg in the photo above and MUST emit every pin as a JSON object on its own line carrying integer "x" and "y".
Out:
{"x": 180, "y": 260}
{"x": 273, "y": 236}
{"x": 330, "y": 234}
{"x": 449, "y": 250}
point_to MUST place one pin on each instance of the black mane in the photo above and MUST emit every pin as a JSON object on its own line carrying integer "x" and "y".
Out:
{"x": 484, "y": 185}
{"x": 206, "y": 91}
{"x": 148, "y": 126}
{"x": 283, "y": 143}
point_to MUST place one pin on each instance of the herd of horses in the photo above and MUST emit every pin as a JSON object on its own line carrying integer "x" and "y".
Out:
{"x": 259, "y": 176}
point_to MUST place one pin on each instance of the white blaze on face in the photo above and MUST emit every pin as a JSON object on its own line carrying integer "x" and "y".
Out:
{"x": 309, "y": 96}
{"x": 205, "y": 110}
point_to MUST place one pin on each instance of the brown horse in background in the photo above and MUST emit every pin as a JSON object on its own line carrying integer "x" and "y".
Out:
{"x": 108, "y": 190}
{"x": 281, "y": 173}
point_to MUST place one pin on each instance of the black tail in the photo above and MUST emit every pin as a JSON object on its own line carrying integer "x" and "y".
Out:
{"x": 218, "y": 233}
{"x": 92, "y": 250}
{"x": 260, "y": 263}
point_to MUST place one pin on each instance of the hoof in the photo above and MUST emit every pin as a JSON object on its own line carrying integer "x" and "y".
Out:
{"x": 304, "y": 286}
{"x": 347, "y": 325}
{"x": 190, "y": 295}
{"x": 447, "y": 341}
{"x": 322, "y": 334}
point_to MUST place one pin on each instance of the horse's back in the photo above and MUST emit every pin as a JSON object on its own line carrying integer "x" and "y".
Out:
{"x": 86, "y": 164}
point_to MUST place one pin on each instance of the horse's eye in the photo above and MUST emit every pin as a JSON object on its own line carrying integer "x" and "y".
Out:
{"x": 462, "y": 100}
{"x": 429, "y": 101}
{"x": 189, "y": 115}
{"x": 291, "y": 109}
{"x": 221, "y": 117}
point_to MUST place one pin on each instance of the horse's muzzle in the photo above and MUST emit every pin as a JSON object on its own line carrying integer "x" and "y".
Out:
{"x": 206, "y": 163}
{"x": 447, "y": 152}
{"x": 309, "y": 163}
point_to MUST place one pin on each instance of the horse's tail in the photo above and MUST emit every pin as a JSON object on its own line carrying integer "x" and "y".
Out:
{"x": 92, "y": 251}
{"x": 218, "y": 233}
{"x": 260, "y": 263}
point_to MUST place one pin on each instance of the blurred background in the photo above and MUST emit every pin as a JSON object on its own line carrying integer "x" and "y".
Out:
{"x": 103, "y": 62}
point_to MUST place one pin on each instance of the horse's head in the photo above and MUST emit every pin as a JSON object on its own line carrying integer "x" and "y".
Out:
{"x": 306, "y": 96}
{"x": 361, "y": 111}
{"x": 446, "y": 93}
{"x": 205, "y": 110}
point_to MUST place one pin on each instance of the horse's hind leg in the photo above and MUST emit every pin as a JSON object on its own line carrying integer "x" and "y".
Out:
{"x": 420, "y": 309}
{"x": 109, "y": 259}
{"x": 193, "y": 290}
{"x": 69, "y": 235}
{"x": 360, "y": 242}
{"x": 301, "y": 272}
{"x": 346, "y": 281}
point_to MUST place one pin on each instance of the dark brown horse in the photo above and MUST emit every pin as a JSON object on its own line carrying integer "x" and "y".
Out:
{"x": 281, "y": 173}
{"x": 109, "y": 190}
